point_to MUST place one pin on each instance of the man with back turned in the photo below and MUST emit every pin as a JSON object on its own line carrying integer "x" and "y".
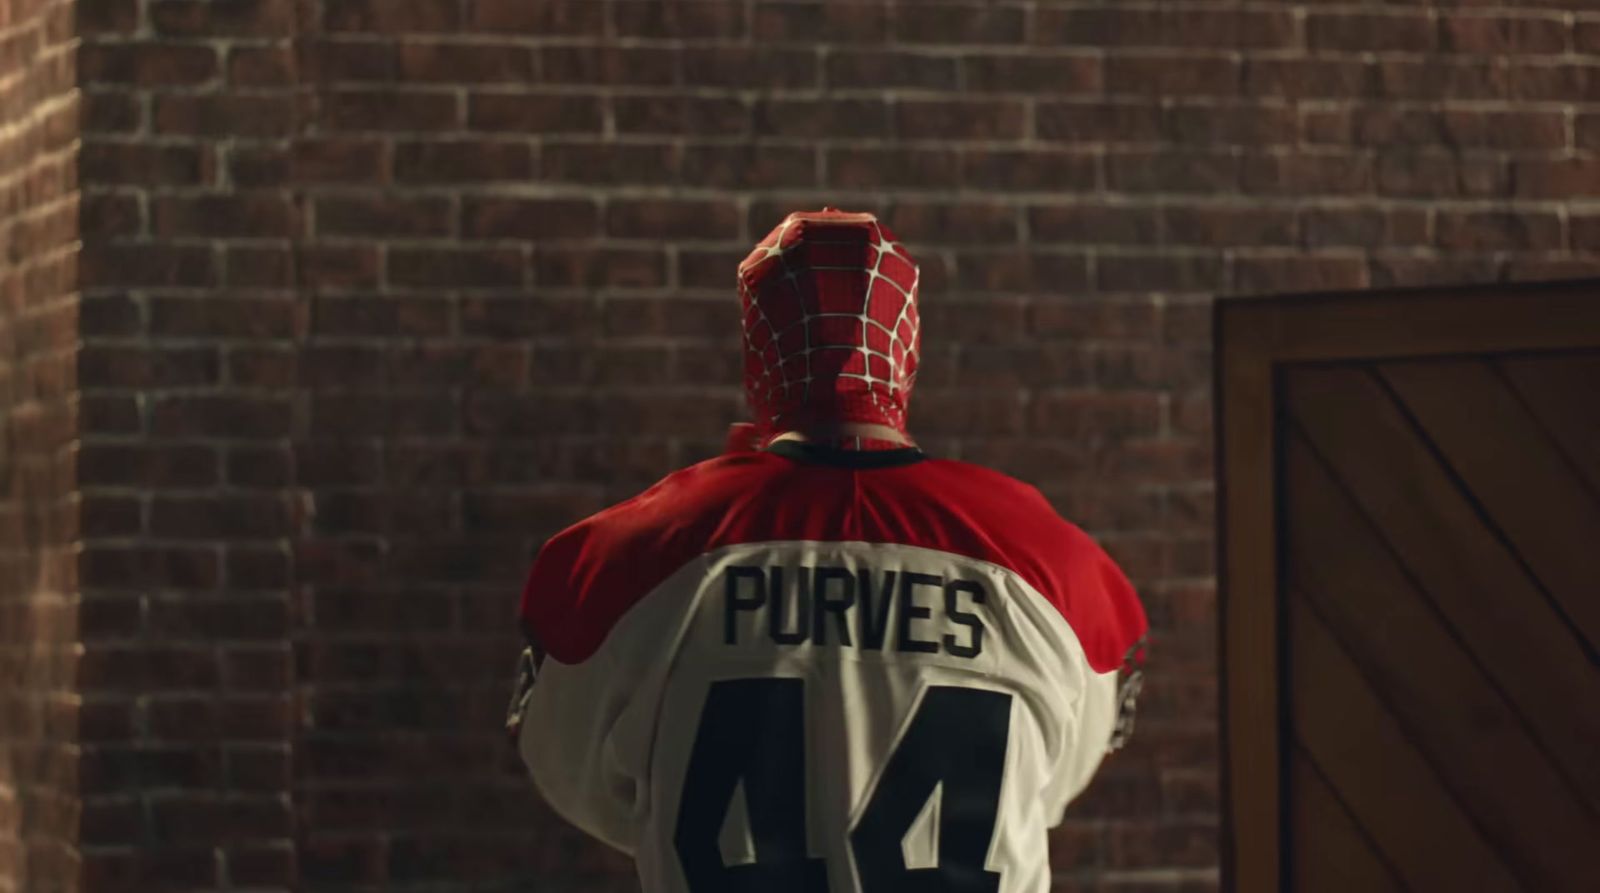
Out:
{"x": 824, "y": 661}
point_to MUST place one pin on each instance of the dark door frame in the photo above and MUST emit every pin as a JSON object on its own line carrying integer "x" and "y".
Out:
{"x": 1253, "y": 338}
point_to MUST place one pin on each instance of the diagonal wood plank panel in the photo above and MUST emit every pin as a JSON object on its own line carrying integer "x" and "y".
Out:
{"x": 1409, "y": 588}
{"x": 1563, "y": 393}
{"x": 1515, "y": 470}
{"x": 1331, "y": 853}
{"x": 1439, "y": 695}
{"x": 1476, "y": 583}
{"x": 1390, "y": 788}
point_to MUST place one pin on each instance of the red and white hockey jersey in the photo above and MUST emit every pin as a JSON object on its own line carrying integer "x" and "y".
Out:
{"x": 808, "y": 669}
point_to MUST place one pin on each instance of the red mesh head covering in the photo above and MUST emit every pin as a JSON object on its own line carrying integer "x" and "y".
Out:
{"x": 830, "y": 323}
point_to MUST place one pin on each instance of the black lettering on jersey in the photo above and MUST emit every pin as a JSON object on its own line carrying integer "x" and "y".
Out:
{"x": 810, "y": 604}
{"x": 874, "y": 609}
{"x": 957, "y": 739}
{"x": 732, "y": 603}
{"x": 839, "y": 606}
{"x": 910, "y": 610}
{"x": 777, "y": 609}
{"x": 751, "y": 730}
{"x": 952, "y": 609}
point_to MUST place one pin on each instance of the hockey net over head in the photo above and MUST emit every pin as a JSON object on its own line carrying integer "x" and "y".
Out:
{"x": 831, "y": 331}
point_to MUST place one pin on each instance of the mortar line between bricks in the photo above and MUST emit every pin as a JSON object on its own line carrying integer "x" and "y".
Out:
{"x": 974, "y": 96}
{"x": 1179, "y": 201}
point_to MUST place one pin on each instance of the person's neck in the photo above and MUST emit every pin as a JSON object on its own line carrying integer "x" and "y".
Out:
{"x": 846, "y": 431}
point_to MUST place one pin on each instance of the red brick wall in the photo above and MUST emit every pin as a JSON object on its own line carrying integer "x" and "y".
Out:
{"x": 379, "y": 294}
{"x": 190, "y": 324}
{"x": 38, "y": 306}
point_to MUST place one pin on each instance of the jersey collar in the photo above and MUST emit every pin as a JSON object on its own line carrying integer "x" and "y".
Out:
{"x": 820, "y": 454}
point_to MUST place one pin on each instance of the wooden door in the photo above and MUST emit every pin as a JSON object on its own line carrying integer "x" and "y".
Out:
{"x": 1410, "y": 595}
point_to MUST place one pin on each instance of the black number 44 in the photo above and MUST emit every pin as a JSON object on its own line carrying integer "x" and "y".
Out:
{"x": 754, "y": 729}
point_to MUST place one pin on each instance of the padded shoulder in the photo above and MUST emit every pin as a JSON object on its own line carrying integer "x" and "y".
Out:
{"x": 590, "y": 574}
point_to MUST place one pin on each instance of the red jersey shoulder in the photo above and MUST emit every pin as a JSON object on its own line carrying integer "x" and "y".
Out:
{"x": 589, "y": 575}
{"x": 1014, "y": 526}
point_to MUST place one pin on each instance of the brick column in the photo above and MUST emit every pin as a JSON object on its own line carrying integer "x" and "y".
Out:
{"x": 38, "y": 519}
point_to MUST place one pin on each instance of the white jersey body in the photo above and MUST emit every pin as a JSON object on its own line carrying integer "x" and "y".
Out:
{"x": 819, "y": 714}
